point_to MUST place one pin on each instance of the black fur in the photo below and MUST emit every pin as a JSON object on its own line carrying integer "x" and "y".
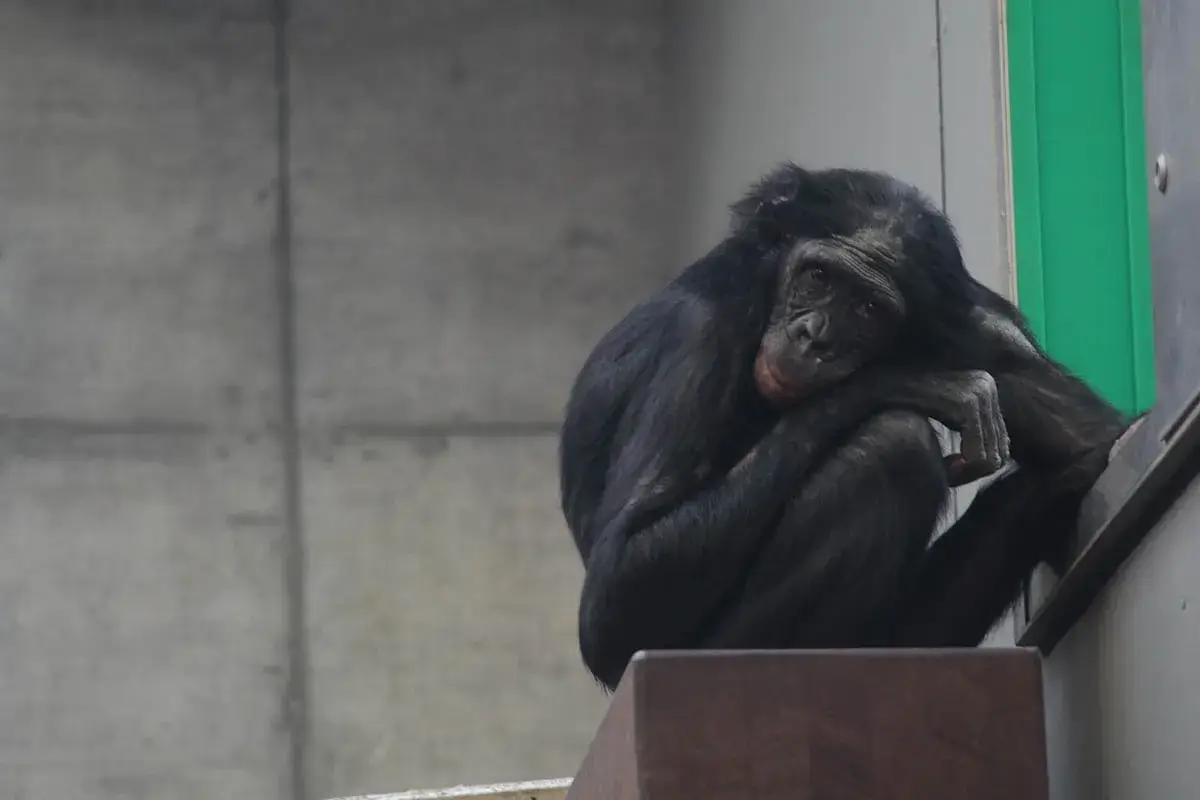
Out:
{"x": 707, "y": 519}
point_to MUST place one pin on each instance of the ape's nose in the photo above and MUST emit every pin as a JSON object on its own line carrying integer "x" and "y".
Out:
{"x": 812, "y": 330}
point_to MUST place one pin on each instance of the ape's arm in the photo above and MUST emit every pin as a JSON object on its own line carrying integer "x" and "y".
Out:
{"x": 1053, "y": 417}
{"x": 974, "y": 571}
{"x": 1061, "y": 432}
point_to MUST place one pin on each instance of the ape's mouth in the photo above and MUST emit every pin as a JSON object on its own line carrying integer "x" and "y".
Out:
{"x": 770, "y": 385}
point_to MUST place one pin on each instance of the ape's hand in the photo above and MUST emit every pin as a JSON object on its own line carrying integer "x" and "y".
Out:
{"x": 985, "y": 445}
{"x": 967, "y": 402}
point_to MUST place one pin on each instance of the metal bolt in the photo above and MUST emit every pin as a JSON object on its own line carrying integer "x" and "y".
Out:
{"x": 1161, "y": 173}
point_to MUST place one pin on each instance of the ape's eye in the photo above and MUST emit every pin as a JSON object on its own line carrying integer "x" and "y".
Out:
{"x": 868, "y": 308}
{"x": 816, "y": 277}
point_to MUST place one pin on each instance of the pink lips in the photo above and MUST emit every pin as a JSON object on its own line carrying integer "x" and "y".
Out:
{"x": 768, "y": 382}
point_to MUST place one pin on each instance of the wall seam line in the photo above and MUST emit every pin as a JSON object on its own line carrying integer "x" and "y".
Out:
{"x": 296, "y": 698}
{"x": 941, "y": 103}
{"x": 955, "y": 498}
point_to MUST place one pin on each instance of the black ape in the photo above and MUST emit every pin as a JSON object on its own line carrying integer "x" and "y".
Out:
{"x": 837, "y": 305}
{"x": 746, "y": 460}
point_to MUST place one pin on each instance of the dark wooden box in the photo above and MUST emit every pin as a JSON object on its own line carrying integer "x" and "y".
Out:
{"x": 822, "y": 725}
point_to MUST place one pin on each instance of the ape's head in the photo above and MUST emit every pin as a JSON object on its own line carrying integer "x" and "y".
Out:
{"x": 866, "y": 267}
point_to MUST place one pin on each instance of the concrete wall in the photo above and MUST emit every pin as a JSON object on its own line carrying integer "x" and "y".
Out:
{"x": 478, "y": 192}
{"x": 1123, "y": 690}
{"x": 143, "y": 628}
{"x": 278, "y": 480}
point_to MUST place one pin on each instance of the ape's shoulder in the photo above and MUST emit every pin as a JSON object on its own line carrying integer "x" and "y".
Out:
{"x": 693, "y": 318}
{"x": 670, "y": 320}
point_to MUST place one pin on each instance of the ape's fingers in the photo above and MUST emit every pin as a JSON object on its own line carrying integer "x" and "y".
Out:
{"x": 988, "y": 436}
{"x": 984, "y": 441}
{"x": 960, "y": 471}
{"x": 974, "y": 445}
{"x": 997, "y": 433}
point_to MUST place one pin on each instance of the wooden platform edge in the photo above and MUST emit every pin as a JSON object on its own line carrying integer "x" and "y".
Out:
{"x": 868, "y": 728}
{"x": 551, "y": 789}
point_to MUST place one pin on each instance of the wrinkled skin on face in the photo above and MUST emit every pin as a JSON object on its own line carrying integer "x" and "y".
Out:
{"x": 835, "y": 309}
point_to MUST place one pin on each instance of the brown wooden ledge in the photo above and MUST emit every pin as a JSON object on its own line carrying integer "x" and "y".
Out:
{"x": 819, "y": 725}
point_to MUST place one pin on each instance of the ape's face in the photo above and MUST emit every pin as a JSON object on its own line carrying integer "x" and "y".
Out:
{"x": 836, "y": 307}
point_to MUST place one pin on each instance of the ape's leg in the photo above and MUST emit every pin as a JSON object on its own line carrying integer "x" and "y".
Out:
{"x": 836, "y": 566}
{"x": 663, "y": 575}
{"x": 974, "y": 571}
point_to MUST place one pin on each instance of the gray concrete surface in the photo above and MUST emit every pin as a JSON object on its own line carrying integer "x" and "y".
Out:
{"x": 1123, "y": 691}
{"x": 142, "y": 628}
{"x": 476, "y": 191}
{"x": 479, "y": 192}
{"x": 826, "y": 84}
{"x": 143, "y": 634}
{"x": 442, "y": 615}
{"x": 136, "y": 170}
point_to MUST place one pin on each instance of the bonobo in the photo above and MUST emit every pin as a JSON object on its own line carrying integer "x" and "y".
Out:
{"x": 747, "y": 461}
{"x": 836, "y": 306}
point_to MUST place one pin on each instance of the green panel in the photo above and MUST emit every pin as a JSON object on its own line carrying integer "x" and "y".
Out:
{"x": 1079, "y": 189}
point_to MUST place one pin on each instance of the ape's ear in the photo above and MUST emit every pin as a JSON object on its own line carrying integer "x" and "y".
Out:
{"x": 761, "y": 211}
